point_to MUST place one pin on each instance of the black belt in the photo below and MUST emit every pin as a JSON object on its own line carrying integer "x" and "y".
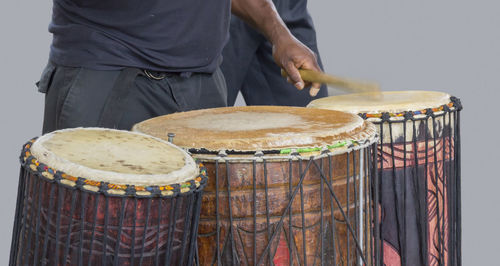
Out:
{"x": 154, "y": 74}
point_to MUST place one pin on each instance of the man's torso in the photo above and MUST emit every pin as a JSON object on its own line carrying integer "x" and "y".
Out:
{"x": 171, "y": 36}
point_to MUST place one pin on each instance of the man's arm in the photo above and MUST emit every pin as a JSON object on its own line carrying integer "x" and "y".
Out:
{"x": 289, "y": 53}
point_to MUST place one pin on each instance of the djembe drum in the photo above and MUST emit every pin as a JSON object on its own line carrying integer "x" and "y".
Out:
{"x": 419, "y": 171}
{"x": 287, "y": 186}
{"x": 106, "y": 197}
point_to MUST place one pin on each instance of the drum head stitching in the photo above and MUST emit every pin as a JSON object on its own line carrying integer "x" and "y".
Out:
{"x": 286, "y": 154}
{"x": 44, "y": 171}
{"x": 454, "y": 105}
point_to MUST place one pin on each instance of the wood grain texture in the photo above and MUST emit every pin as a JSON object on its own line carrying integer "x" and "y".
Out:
{"x": 239, "y": 204}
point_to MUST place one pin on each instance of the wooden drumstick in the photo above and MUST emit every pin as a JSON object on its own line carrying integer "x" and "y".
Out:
{"x": 341, "y": 83}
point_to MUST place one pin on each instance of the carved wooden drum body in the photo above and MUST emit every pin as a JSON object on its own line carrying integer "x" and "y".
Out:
{"x": 419, "y": 170}
{"x": 287, "y": 186}
{"x": 106, "y": 197}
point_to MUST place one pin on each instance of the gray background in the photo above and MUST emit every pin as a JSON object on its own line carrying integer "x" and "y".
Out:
{"x": 452, "y": 46}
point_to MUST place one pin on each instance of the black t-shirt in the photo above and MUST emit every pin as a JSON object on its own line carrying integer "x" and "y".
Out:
{"x": 159, "y": 35}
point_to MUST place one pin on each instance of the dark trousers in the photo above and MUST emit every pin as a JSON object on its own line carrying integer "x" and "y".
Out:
{"x": 250, "y": 68}
{"x": 79, "y": 97}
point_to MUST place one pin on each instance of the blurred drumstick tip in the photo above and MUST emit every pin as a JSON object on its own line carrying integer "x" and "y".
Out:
{"x": 372, "y": 90}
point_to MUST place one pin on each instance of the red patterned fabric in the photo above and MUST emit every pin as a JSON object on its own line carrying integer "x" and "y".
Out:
{"x": 432, "y": 164}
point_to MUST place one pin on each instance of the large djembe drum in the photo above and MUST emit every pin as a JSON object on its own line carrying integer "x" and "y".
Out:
{"x": 287, "y": 186}
{"x": 419, "y": 171}
{"x": 106, "y": 197}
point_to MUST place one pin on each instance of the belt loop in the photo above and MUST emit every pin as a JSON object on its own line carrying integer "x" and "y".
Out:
{"x": 113, "y": 108}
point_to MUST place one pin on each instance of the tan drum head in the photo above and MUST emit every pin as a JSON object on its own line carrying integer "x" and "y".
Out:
{"x": 114, "y": 156}
{"x": 257, "y": 128}
{"x": 390, "y": 101}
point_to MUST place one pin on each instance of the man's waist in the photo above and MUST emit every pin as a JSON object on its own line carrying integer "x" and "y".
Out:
{"x": 110, "y": 64}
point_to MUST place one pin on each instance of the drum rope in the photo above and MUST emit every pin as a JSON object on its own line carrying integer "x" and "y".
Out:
{"x": 17, "y": 215}
{"x": 346, "y": 219}
{"x": 447, "y": 235}
{"x": 32, "y": 235}
{"x": 83, "y": 211}
{"x": 187, "y": 224}
{"x": 404, "y": 248}
{"x": 280, "y": 223}
{"x": 351, "y": 231}
{"x": 231, "y": 221}
{"x": 399, "y": 213}
{"x": 170, "y": 233}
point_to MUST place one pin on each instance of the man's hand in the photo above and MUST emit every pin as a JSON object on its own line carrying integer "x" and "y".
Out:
{"x": 292, "y": 55}
{"x": 288, "y": 52}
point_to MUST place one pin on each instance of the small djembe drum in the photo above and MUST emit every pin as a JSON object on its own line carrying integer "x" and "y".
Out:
{"x": 106, "y": 197}
{"x": 419, "y": 171}
{"x": 287, "y": 186}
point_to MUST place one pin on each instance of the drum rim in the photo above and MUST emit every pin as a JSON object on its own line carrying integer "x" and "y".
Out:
{"x": 377, "y": 110}
{"x": 453, "y": 106}
{"x": 30, "y": 163}
{"x": 363, "y": 132}
{"x": 433, "y": 111}
{"x": 188, "y": 171}
{"x": 280, "y": 156}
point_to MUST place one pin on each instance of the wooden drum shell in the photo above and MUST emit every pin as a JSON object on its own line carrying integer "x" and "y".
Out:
{"x": 279, "y": 192}
{"x": 65, "y": 220}
{"x": 418, "y": 192}
{"x": 95, "y": 223}
{"x": 248, "y": 183}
